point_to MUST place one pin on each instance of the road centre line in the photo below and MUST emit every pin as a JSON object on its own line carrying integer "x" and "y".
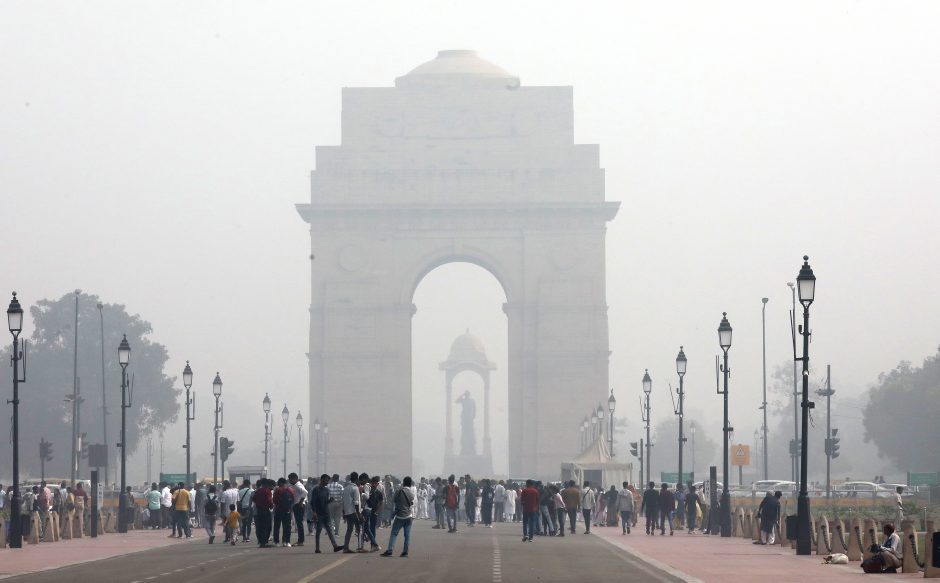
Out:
{"x": 323, "y": 570}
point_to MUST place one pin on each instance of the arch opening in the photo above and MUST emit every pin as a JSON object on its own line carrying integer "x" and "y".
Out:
{"x": 459, "y": 308}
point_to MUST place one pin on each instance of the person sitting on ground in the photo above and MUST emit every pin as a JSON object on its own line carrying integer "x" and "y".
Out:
{"x": 891, "y": 551}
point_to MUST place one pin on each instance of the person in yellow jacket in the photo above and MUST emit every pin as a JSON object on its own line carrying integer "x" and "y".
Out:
{"x": 181, "y": 508}
{"x": 232, "y": 524}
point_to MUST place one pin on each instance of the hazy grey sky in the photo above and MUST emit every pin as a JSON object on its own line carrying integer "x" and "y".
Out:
{"x": 152, "y": 152}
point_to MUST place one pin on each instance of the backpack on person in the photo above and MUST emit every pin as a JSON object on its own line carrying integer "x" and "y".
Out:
{"x": 212, "y": 505}
{"x": 285, "y": 501}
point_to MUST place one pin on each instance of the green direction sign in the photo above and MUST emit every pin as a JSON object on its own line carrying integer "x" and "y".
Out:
{"x": 923, "y": 479}
{"x": 177, "y": 478}
{"x": 673, "y": 477}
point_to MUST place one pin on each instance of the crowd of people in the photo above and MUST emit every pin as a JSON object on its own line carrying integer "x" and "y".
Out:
{"x": 43, "y": 498}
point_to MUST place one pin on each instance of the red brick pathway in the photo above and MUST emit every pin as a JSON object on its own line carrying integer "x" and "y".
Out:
{"x": 733, "y": 560}
{"x": 44, "y": 556}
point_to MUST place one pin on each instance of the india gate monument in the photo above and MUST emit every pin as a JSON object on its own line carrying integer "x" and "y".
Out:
{"x": 457, "y": 162}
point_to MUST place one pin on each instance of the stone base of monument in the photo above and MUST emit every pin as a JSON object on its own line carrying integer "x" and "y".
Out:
{"x": 478, "y": 466}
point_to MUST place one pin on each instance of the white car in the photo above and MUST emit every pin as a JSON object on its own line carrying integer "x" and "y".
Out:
{"x": 864, "y": 490}
{"x": 760, "y": 487}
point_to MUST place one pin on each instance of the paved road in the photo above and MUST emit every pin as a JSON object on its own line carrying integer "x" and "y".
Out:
{"x": 478, "y": 555}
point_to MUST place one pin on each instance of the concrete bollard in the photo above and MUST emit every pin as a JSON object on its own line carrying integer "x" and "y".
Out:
{"x": 856, "y": 550}
{"x": 100, "y": 522}
{"x": 4, "y": 525}
{"x": 837, "y": 535}
{"x": 869, "y": 537}
{"x": 755, "y": 528}
{"x": 930, "y": 572}
{"x": 822, "y": 536}
{"x": 908, "y": 550}
{"x": 49, "y": 528}
{"x": 782, "y": 530}
{"x": 34, "y": 525}
{"x": 78, "y": 525}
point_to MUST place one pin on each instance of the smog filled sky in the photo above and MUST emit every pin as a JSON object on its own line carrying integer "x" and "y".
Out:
{"x": 152, "y": 153}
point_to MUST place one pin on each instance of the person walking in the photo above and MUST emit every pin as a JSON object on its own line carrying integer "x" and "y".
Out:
{"x": 200, "y": 504}
{"x": 245, "y": 510}
{"x": 336, "y": 505}
{"x": 440, "y": 495}
{"x": 650, "y": 508}
{"x": 352, "y": 505}
{"x": 227, "y": 499}
{"x": 679, "y": 514}
{"x": 560, "y": 509}
{"x": 452, "y": 503}
{"x": 768, "y": 512}
{"x": 613, "y": 506}
{"x": 210, "y": 511}
{"x": 153, "y": 506}
{"x": 404, "y": 501}
{"x": 587, "y": 505}
{"x": 530, "y": 511}
{"x": 545, "y": 510}
{"x": 283, "y": 512}
{"x": 625, "y": 505}
{"x": 263, "y": 500}
{"x": 422, "y": 500}
{"x": 232, "y": 524}
{"x": 667, "y": 505}
{"x": 470, "y": 502}
{"x": 499, "y": 501}
{"x": 181, "y": 507}
{"x": 166, "y": 501}
{"x": 571, "y": 496}
{"x": 692, "y": 505}
{"x": 320, "y": 499}
{"x": 300, "y": 500}
{"x": 486, "y": 504}
{"x": 510, "y": 505}
{"x": 376, "y": 502}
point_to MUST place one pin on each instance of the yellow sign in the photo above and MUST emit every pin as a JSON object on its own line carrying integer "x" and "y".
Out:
{"x": 740, "y": 455}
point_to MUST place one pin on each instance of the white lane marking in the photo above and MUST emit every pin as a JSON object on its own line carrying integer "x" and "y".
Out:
{"x": 497, "y": 562}
{"x": 323, "y": 570}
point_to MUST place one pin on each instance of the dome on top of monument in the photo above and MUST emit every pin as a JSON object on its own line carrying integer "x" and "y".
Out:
{"x": 468, "y": 347}
{"x": 457, "y": 66}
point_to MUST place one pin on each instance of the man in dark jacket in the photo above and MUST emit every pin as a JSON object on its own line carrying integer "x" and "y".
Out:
{"x": 667, "y": 505}
{"x": 320, "y": 499}
{"x": 650, "y": 508}
{"x": 470, "y": 502}
{"x": 768, "y": 511}
{"x": 486, "y": 504}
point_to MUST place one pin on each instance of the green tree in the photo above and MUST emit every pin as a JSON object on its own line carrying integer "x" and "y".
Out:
{"x": 44, "y": 412}
{"x": 902, "y": 412}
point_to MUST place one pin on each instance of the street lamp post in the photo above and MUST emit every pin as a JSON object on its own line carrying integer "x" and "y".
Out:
{"x": 692, "y": 430}
{"x": 104, "y": 395}
{"x": 326, "y": 447}
{"x": 300, "y": 444}
{"x": 763, "y": 318}
{"x": 806, "y": 284}
{"x": 647, "y": 389}
{"x": 15, "y": 322}
{"x": 600, "y": 421}
{"x": 681, "y": 365}
{"x": 190, "y": 414}
{"x": 124, "y": 358}
{"x": 217, "y": 393}
{"x": 724, "y": 340}
{"x": 316, "y": 431}
{"x": 611, "y": 405}
{"x": 593, "y": 425}
{"x": 796, "y": 408}
{"x": 285, "y": 415}
{"x": 266, "y": 405}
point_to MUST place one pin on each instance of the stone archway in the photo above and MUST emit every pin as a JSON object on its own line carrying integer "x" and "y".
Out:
{"x": 457, "y": 162}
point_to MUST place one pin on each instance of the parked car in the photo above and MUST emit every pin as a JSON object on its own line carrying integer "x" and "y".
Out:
{"x": 864, "y": 490}
{"x": 892, "y": 488}
{"x": 761, "y": 486}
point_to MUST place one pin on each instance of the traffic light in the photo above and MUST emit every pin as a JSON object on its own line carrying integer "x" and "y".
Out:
{"x": 45, "y": 450}
{"x": 226, "y": 448}
{"x": 794, "y": 447}
{"x": 83, "y": 446}
{"x": 834, "y": 444}
{"x": 634, "y": 449}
